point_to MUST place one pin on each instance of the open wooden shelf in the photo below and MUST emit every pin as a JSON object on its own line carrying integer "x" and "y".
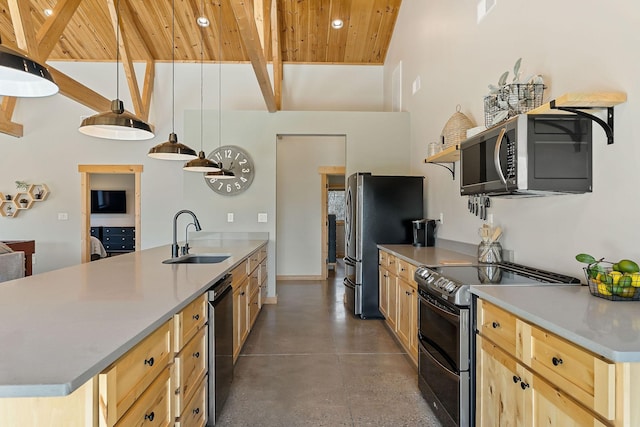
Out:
{"x": 583, "y": 100}
{"x": 448, "y": 155}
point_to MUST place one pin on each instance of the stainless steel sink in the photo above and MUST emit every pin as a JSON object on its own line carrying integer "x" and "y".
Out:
{"x": 197, "y": 259}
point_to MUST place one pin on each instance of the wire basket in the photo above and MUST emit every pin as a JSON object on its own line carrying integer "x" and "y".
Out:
{"x": 511, "y": 100}
{"x": 613, "y": 285}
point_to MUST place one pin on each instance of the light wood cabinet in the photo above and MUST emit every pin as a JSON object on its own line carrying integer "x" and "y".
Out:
{"x": 189, "y": 370}
{"x": 527, "y": 376}
{"x": 398, "y": 300}
{"x": 194, "y": 414}
{"x": 249, "y": 281}
{"x": 124, "y": 382}
{"x": 189, "y": 321}
{"x": 153, "y": 407}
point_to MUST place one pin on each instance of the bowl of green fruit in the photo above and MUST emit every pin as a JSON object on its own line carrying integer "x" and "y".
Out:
{"x": 619, "y": 281}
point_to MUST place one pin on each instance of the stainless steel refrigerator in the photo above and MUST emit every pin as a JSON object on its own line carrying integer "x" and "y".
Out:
{"x": 379, "y": 210}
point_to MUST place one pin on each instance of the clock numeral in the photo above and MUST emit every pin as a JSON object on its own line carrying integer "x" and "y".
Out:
{"x": 229, "y": 188}
{"x": 227, "y": 154}
{"x": 221, "y": 184}
{"x": 246, "y": 170}
{"x": 237, "y": 185}
{"x": 243, "y": 179}
{"x": 237, "y": 155}
{"x": 243, "y": 161}
{"x": 218, "y": 157}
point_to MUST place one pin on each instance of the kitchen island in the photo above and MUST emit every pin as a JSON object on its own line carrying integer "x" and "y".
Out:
{"x": 555, "y": 355}
{"x": 62, "y": 328}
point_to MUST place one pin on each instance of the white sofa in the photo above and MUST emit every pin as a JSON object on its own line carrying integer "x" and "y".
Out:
{"x": 11, "y": 266}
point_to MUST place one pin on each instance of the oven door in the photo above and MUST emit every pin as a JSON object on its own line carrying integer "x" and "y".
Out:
{"x": 444, "y": 329}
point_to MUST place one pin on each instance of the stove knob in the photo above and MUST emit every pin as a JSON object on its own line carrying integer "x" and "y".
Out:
{"x": 451, "y": 287}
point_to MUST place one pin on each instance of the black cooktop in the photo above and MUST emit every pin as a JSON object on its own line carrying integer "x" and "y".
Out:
{"x": 504, "y": 273}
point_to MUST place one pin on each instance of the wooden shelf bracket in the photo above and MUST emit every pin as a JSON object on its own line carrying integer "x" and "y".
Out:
{"x": 607, "y": 126}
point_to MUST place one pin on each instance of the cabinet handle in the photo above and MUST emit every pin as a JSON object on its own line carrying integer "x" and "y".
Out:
{"x": 516, "y": 379}
{"x": 495, "y": 325}
{"x": 196, "y": 317}
{"x": 556, "y": 361}
{"x": 242, "y": 293}
{"x": 408, "y": 293}
{"x": 149, "y": 361}
{"x": 196, "y": 354}
{"x": 196, "y": 411}
{"x": 524, "y": 385}
{"x": 150, "y": 416}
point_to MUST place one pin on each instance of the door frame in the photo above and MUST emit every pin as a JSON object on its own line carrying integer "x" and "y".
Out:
{"x": 85, "y": 188}
{"x": 324, "y": 172}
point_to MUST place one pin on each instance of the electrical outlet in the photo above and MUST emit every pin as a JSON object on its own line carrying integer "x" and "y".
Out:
{"x": 262, "y": 217}
{"x": 415, "y": 87}
{"x": 441, "y": 217}
{"x": 63, "y": 216}
{"x": 230, "y": 217}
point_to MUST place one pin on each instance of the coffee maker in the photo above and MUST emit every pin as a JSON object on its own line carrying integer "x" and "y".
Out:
{"x": 424, "y": 232}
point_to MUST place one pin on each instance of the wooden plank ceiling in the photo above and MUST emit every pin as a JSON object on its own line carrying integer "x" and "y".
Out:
{"x": 292, "y": 31}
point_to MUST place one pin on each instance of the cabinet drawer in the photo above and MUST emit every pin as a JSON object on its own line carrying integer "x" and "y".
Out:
{"x": 392, "y": 263}
{"x": 153, "y": 407}
{"x": 262, "y": 272}
{"x": 383, "y": 259}
{"x": 189, "y": 321}
{"x": 118, "y": 231}
{"x": 194, "y": 414}
{"x": 254, "y": 261}
{"x": 190, "y": 367}
{"x": 125, "y": 380}
{"x": 254, "y": 307}
{"x": 239, "y": 274}
{"x": 580, "y": 374}
{"x": 263, "y": 253}
{"x": 497, "y": 325}
{"x": 405, "y": 270}
{"x": 254, "y": 282}
{"x": 125, "y": 240}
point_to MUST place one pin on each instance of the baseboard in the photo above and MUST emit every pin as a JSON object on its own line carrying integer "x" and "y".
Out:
{"x": 271, "y": 300}
{"x": 301, "y": 278}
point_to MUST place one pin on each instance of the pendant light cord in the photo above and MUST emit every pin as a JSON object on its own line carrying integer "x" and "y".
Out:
{"x": 117, "y": 48}
{"x": 219, "y": 74}
{"x": 201, "y": 77}
{"x": 173, "y": 67}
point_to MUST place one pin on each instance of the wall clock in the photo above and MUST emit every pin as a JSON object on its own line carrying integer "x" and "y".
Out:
{"x": 238, "y": 161}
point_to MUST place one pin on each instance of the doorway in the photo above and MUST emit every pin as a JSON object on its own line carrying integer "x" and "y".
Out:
{"x": 86, "y": 172}
{"x": 332, "y": 187}
{"x": 299, "y": 247}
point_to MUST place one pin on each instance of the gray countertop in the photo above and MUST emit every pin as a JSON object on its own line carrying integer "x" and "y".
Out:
{"x": 430, "y": 256}
{"x": 58, "y": 329}
{"x": 608, "y": 328}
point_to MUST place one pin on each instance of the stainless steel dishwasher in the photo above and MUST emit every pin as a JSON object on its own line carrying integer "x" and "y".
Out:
{"x": 220, "y": 346}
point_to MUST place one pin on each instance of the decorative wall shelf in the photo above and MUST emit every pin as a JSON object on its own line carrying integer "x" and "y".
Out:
{"x": 576, "y": 102}
{"x": 449, "y": 155}
{"x": 11, "y": 208}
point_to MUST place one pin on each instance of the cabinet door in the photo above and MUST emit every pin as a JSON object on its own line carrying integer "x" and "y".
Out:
{"x": 383, "y": 289}
{"x": 392, "y": 308}
{"x": 500, "y": 400}
{"x": 406, "y": 297}
{"x": 240, "y": 324}
{"x": 413, "y": 327}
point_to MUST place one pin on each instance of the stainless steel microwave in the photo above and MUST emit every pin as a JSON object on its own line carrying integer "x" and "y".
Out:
{"x": 529, "y": 155}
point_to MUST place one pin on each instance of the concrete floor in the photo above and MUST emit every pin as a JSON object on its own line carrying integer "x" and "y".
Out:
{"x": 308, "y": 362}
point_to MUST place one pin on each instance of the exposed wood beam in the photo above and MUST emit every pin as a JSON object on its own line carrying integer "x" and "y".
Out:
{"x": 127, "y": 62}
{"x": 79, "y": 92}
{"x": 52, "y": 29}
{"x": 147, "y": 88}
{"x": 23, "y": 26}
{"x": 258, "y": 16}
{"x": 276, "y": 54}
{"x": 243, "y": 11}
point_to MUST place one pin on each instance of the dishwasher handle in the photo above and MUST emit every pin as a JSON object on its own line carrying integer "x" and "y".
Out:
{"x": 219, "y": 289}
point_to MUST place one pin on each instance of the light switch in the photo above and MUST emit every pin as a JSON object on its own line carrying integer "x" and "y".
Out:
{"x": 262, "y": 217}
{"x": 230, "y": 217}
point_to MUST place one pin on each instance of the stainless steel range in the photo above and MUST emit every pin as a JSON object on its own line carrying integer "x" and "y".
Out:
{"x": 445, "y": 358}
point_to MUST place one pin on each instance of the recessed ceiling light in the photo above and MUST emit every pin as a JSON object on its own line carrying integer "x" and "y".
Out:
{"x": 48, "y": 12}
{"x": 337, "y": 23}
{"x": 203, "y": 21}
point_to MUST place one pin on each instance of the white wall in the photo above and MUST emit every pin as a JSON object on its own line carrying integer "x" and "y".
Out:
{"x": 52, "y": 148}
{"x": 577, "y": 46}
{"x": 298, "y": 197}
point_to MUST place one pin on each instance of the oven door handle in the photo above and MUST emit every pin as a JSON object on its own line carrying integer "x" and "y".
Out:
{"x": 444, "y": 313}
{"x": 434, "y": 360}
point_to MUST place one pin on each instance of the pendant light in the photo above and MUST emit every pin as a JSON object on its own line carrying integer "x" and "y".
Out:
{"x": 22, "y": 77}
{"x": 117, "y": 123}
{"x": 222, "y": 173}
{"x": 172, "y": 149}
{"x": 202, "y": 164}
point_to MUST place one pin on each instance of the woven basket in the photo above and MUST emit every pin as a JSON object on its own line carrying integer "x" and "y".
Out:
{"x": 455, "y": 131}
